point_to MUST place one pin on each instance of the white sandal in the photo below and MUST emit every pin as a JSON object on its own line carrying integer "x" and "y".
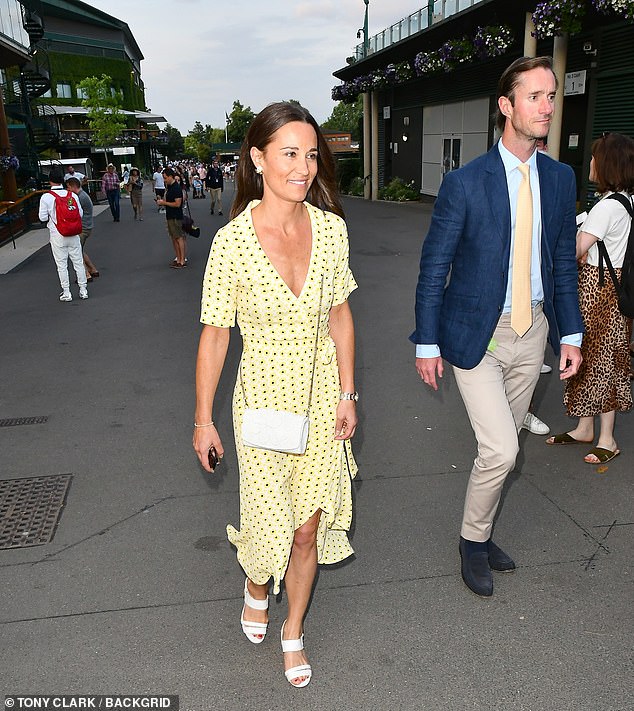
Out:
{"x": 253, "y": 629}
{"x": 295, "y": 645}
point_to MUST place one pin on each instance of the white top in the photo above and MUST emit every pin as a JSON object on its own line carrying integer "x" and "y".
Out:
{"x": 47, "y": 209}
{"x": 76, "y": 174}
{"x": 158, "y": 180}
{"x": 608, "y": 221}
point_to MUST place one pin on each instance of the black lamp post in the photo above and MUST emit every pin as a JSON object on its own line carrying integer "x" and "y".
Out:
{"x": 364, "y": 31}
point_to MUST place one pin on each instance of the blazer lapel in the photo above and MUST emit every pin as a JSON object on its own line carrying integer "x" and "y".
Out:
{"x": 548, "y": 192}
{"x": 498, "y": 194}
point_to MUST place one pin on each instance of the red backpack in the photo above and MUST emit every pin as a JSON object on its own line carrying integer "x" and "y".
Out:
{"x": 67, "y": 213}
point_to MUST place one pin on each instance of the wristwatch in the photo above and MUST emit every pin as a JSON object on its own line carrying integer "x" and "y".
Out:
{"x": 349, "y": 396}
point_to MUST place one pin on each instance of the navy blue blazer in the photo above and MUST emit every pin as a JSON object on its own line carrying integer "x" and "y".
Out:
{"x": 465, "y": 258}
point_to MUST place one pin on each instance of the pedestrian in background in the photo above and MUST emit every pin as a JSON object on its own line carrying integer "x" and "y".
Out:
{"x": 111, "y": 185}
{"x": 134, "y": 186}
{"x": 602, "y": 386}
{"x": 159, "y": 186}
{"x": 74, "y": 185}
{"x": 72, "y": 173}
{"x": 63, "y": 247}
{"x": 214, "y": 184}
{"x": 173, "y": 203}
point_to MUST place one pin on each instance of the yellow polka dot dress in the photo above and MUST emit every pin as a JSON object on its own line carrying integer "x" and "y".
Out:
{"x": 280, "y": 492}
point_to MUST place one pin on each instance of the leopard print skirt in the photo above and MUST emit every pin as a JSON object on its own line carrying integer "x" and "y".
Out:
{"x": 603, "y": 381}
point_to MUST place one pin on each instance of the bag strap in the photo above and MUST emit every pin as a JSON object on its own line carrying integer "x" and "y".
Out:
{"x": 603, "y": 251}
{"x": 312, "y": 377}
{"x": 603, "y": 256}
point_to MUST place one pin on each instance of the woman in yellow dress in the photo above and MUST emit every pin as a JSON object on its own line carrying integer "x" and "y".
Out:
{"x": 281, "y": 268}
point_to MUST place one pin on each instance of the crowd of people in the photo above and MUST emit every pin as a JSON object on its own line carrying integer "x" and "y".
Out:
{"x": 504, "y": 270}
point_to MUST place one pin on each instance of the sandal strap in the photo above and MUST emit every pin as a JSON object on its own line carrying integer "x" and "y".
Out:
{"x": 302, "y": 670}
{"x": 253, "y": 602}
{"x": 293, "y": 645}
{"x": 254, "y": 627}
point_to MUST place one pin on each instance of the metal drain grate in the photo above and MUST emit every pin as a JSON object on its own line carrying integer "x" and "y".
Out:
{"x": 15, "y": 421}
{"x": 30, "y": 509}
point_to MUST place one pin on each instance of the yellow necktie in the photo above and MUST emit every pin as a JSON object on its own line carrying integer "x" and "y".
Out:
{"x": 521, "y": 315}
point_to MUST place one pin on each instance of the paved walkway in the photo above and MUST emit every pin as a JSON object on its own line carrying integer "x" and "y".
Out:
{"x": 139, "y": 592}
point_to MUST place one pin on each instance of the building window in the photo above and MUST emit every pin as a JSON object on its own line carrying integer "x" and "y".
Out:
{"x": 47, "y": 94}
{"x": 82, "y": 93}
{"x": 63, "y": 90}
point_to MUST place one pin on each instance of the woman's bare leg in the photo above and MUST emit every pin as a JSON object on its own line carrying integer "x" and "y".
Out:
{"x": 298, "y": 581}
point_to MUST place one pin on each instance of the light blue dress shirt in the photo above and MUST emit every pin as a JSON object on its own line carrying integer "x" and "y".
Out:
{"x": 513, "y": 180}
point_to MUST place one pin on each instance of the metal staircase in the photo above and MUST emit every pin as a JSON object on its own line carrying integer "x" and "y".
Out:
{"x": 21, "y": 94}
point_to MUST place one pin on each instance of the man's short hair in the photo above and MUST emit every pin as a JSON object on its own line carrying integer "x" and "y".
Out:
{"x": 73, "y": 181}
{"x": 55, "y": 175}
{"x": 511, "y": 78}
{"x": 169, "y": 172}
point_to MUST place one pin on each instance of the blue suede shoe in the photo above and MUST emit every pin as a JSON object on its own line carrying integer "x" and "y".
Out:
{"x": 475, "y": 569}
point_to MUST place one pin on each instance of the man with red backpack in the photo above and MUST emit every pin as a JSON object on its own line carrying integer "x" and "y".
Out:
{"x": 61, "y": 210}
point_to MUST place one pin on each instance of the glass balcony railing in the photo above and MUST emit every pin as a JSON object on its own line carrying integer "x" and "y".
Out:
{"x": 420, "y": 20}
{"x": 127, "y": 137}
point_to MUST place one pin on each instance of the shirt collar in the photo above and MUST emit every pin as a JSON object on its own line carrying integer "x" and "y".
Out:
{"x": 511, "y": 161}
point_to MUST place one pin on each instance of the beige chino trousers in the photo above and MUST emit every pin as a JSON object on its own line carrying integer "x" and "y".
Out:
{"x": 497, "y": 394}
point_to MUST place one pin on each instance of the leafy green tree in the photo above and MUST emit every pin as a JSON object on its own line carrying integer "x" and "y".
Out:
{"x": 175, "y": 146}
{"x": 347, "y": 117}
{"x": 240, "y": 119}
{"x": 104, "y": 110}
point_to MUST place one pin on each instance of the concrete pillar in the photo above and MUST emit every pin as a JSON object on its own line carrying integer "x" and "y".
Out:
{"x": 530, "y": 42}
{"x": 367, "y": 146}
{"x": 375, "y": 146}
{"x": 560, "y": 55}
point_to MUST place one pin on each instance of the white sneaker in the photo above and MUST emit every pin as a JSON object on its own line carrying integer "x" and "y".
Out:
{"x": 83, "y": 293}
{"x": 535, "y": 425}
{"x": 546, "y": 368}
{"x": 65, "y": 296}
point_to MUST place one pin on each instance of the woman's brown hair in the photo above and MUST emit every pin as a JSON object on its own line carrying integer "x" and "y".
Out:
{"x": 323, "y": 192}
{"x": 613, "y": 155}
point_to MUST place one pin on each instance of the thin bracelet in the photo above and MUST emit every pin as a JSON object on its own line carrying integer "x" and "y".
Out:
{"x": 209, "y": 424}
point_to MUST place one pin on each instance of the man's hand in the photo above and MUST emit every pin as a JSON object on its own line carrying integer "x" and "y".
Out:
{"x": 569, "y": 361}
{"x": 428, "y": 368}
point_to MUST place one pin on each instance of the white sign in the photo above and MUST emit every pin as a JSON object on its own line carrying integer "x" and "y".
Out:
{"x": 575, "y": 83}
{"x": 126, "y": 150}
{"x": 573, "y": 140}
{"x": 386, "y": 112}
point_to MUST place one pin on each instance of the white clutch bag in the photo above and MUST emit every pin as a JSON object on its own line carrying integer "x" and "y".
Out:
{"x": 275, "y": 430}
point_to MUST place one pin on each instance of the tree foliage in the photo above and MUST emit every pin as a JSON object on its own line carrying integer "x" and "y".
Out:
{"x": 175, "y": 146}
{"x": 104, "y": 115}
{"x": 200, "y": 141}
{"x": 240, "y": 119}
{"x": 347, "y": 117}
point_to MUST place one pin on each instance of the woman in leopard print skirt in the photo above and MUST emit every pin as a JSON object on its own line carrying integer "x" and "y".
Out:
{"x": 602, "y": 385}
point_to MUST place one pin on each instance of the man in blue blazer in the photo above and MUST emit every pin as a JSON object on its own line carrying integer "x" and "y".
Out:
{"x": 465, "y": 294}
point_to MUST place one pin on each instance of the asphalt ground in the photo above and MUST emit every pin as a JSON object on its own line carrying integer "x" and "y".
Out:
{"x": 139, "y": 592}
